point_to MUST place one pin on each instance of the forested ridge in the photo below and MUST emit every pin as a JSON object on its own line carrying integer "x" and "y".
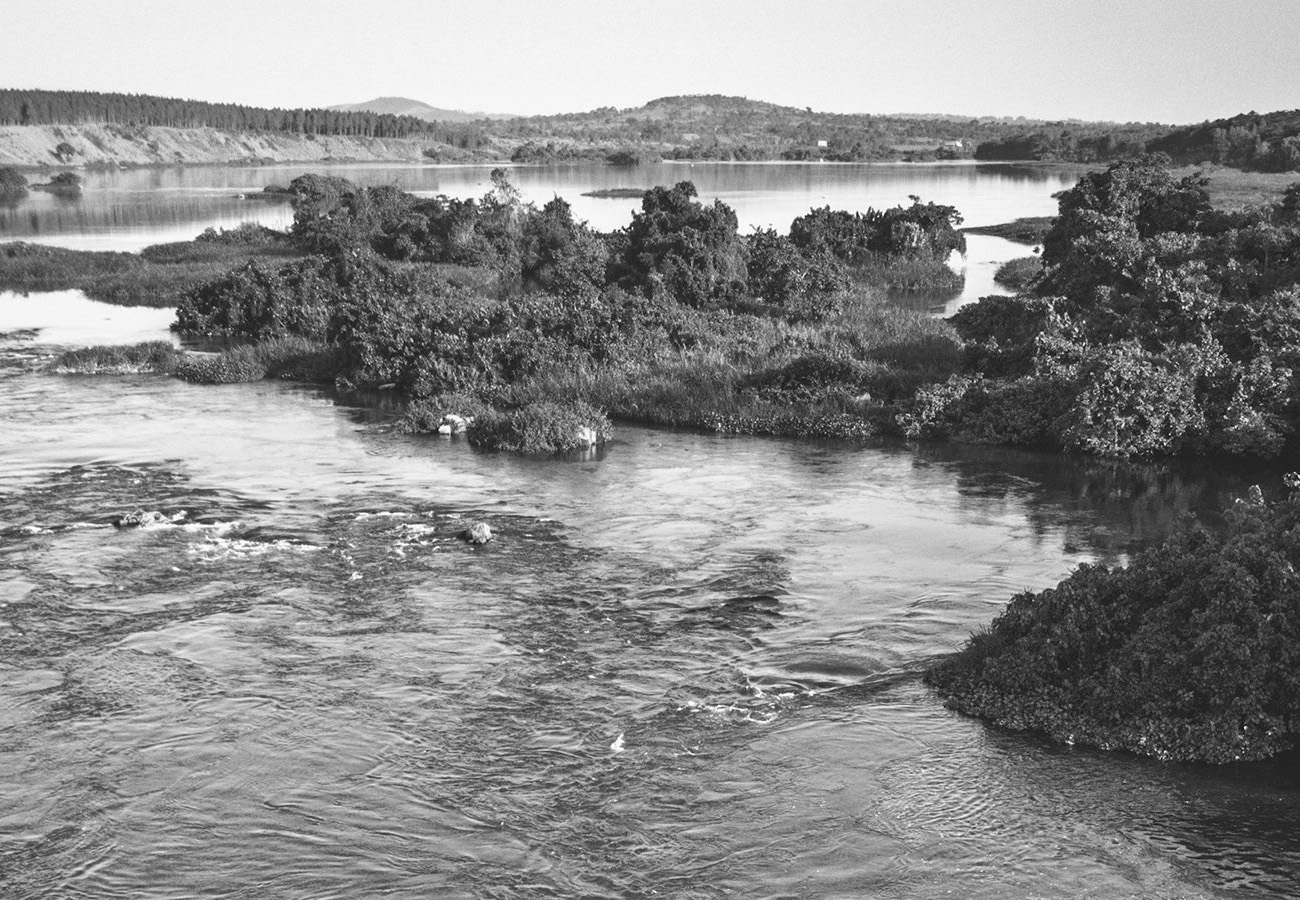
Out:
{"x": 38, "y": 107}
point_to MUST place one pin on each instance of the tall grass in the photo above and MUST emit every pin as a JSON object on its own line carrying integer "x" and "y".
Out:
{"x": 158, "y": 276}
{"x": 294, "y": 358}
{"x": 1018, "y": 274}
{"x": 902, "y": 273}
{"x": 149, "y": 357}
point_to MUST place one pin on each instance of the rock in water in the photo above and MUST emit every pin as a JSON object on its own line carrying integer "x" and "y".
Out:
{"x": 140, "y": 519}
{"x": 476, "y": 534}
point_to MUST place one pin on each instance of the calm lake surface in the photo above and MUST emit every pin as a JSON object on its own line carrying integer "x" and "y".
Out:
{"x": 688, "y": 667}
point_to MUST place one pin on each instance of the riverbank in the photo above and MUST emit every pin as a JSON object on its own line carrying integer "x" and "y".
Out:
{"x": 43, "y": 146}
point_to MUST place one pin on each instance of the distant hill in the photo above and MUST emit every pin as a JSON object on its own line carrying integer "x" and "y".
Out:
{"x": 404, "y": 106}
{"x": 716, "y": 126}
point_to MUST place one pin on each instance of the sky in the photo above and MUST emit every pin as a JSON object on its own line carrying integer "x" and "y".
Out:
{"x": 1171, "y": 61}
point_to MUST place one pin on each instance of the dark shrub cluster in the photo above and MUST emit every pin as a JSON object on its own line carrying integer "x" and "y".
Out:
{"x": 1157, "y": 326}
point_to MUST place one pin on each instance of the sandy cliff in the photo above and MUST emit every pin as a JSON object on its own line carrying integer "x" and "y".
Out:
{"x": 38, "y": 145}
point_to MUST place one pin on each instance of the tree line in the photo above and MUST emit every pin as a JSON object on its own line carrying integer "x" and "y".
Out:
{"x": 39, "y": 107}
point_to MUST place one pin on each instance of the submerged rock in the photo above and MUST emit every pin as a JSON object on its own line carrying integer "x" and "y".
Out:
{"x": 476, "y": 534}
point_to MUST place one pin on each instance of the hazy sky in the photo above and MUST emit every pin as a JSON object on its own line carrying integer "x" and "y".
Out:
{"x": 1169, "y": 61}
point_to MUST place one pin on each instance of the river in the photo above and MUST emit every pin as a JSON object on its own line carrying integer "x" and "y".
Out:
{"x": 689, "y": 666}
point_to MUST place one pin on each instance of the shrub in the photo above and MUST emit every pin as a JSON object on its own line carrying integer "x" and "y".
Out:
{"x": 1129, "y": 403}
{"x": 243, "y": 234}
{"x": 12, "y": 183}
{"x": 802, "y": 287}
{"x": 257, "y": 301}
{"x": 1001, "y": 333}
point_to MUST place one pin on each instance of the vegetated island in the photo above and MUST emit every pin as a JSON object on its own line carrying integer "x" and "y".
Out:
{"x": 1159, "y": 325}
{"x": 616, "y": 193}
{"x": 1028, "y": 230}
{"x": 1190, "y": 653}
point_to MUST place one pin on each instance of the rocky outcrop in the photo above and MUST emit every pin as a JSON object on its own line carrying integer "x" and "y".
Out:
{"x": 141, "y": 518}
{"x": 477, "y": 534}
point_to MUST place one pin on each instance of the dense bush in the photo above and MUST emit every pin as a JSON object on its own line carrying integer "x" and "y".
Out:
{"x": 1192, "y": 652}
{"x": 677, "y": 245}
{"x": 1128, "y": 402}
{"x": 922, "y": 230}
{"x": 259, "y": 301}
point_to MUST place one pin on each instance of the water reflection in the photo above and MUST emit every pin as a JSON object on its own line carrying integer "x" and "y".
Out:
{"x": 116, "y": 206}
{"x": 1109, "y": 509}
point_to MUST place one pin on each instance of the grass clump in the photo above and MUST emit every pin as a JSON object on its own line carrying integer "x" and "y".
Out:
{"x": 908, "y": 274}
{"x": 544, "y": 427}
{"x": 293, "y": 358}
{"x": 238, "y": 366}
{"x": 1029, "y": 230}
{"x": 148, "y": 357}
{"x": 1020, "y": 273}
{"x": 1190, "y": 653}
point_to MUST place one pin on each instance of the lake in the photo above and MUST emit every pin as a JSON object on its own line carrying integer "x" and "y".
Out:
{"x": 689, "y": 666}
{"x": 130, "y": 209}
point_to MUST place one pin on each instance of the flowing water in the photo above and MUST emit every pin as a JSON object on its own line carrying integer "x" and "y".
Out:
{"x": 689, "y": 666}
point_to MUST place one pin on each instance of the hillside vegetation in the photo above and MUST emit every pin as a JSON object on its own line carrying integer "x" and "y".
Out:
{"x": 698, "y": 126}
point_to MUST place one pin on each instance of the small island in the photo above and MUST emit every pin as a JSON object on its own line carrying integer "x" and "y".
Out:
{"x": 64, "y": 184}
{"x": 615, "y": 193}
